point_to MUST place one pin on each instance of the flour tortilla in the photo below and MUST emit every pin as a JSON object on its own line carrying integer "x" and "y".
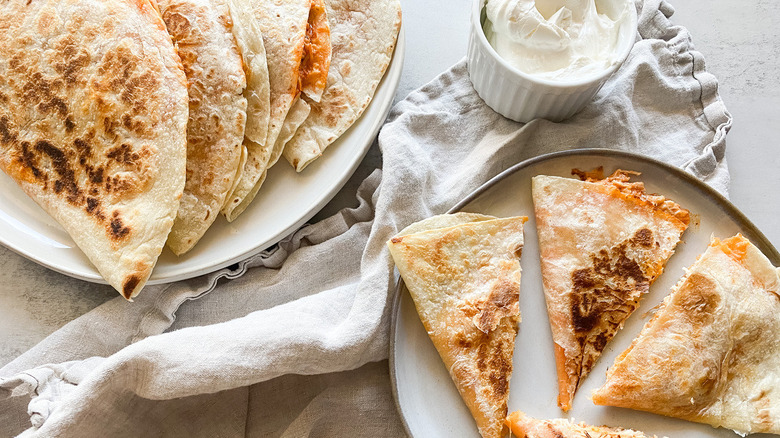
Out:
{"x": 363, "y": 35}
{"x": 283, "y": 27}
{"x": 313, "y": 72}
{"x": 201, "y": 29}
{"x": 249, "y": 38}
{"x": 463, "y": 273}
{"x": 711, "y": 353}
{"x": 523, "y": 426}
{"x": 602, "y": 242}
{"x": 298, "y": 114}
{"x": 93, "y": 125}
{"x": 256, "y": 152}
{"x": 317, "y": 51}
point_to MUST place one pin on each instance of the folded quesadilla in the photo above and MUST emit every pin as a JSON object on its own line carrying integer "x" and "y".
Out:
{"x": 363, "y": 36}
{"x": 711, "y": 353}
{"x": 249, "y": 38}
{"x": 201, "y": 31}
{"x": 523, "y": 426}
{"x": 463, "y": 273}
{"x": 602, "y": 243}
{"x": 255, "y": 153}
{"x": 312, "y": 75}
{"x": 284, "y": 25}
{"x": 93, "y": 125}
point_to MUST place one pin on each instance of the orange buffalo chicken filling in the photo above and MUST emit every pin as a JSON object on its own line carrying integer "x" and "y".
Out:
{"x": 315, "y": 62}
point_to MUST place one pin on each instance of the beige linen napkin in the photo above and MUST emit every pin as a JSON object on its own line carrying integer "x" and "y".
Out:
{"x": 265, "y": 348}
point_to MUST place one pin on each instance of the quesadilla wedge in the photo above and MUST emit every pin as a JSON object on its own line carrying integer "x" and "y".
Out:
{"x": 249, "y": 38}
{"x": 312, "y": 74}
{"x": 463, "y": 273}
{"x": 523, "y": 426}
{"x": 284, "y": 25}
{"x": 711, "y": 353}
{"x": 93, "y": 125}
{"x": 201, "y": 31}
{"x": 362, "y": 39}
{"x": 602, "y": 242}
{"x": 255, "y": 151}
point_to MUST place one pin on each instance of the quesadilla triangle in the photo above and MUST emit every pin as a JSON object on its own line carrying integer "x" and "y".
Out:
{"x": 210, "y": 56}
{"x": 711, "y": 353}
{"x": 285, "y": 30}
{"x": 602, "y": 242}
{"x": 255, "y": 152}
{"x": 523, "y": 426}
{"x": 312, "y": 74}
{"x": 93, "y": 125}
{"x": 249, "y": 39}
{"x": 362, "y": 44}
{"x": 463, "y": 273}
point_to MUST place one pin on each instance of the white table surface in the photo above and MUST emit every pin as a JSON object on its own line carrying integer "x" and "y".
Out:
{"x": 740, "y": 42}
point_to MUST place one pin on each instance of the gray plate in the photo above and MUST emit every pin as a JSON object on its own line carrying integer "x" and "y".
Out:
{"x": 426, "y": 398}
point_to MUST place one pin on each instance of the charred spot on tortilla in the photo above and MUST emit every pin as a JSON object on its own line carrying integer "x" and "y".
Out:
{"x": 129, "y": 286}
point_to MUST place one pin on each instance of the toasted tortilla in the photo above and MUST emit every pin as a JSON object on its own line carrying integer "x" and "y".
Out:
{"x": 523, "y": 426}
{"x": 201, "y": 30}
{"x": 317, "y": 51}
{"x": 463, "y": 273}
{"x": 256, "y": 152}
{"x": 312, "y": 74}
{"x": 363, "y": 36}
{"x": 283, "y": 25}
{"x": 602, "y": 242}
{"x": 249, "y": 38}
{"x": 711, "y": 353}
{"x": 93, "y": 125}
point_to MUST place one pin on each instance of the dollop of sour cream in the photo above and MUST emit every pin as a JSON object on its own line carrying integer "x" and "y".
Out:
{"x": 556, "y": 39}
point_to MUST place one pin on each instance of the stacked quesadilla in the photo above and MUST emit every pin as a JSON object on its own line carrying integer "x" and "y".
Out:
{"x": 136, "y": 123}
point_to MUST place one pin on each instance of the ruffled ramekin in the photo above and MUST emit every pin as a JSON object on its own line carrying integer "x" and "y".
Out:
{"x": 522, "y": 97}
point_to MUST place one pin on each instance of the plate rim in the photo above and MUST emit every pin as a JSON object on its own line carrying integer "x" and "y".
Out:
{"x": 391, "y": 77}
{"x": 729, "y": 208}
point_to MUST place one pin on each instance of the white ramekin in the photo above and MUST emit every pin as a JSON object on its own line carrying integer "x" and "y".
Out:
{"x": 522, "y": 97}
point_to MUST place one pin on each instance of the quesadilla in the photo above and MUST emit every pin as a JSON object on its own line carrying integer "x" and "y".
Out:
{"x": 711, "y": 353}
{"x": 254, "y": 154}
{"x": 363, "y": 36}
{"x": 312, "y": 75}
{"x": 249, "y": 38}
{"x": 523, "y": 426}
{"x": 602, "y": 243}
{"x": 463, "y": 273}
{"x": 284, "y": 25}
{"x": 93, "y": 125}
{"x": 201, "y": 31}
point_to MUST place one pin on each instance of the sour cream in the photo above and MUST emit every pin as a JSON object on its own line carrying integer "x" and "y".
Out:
{"x": 556, "y": 39}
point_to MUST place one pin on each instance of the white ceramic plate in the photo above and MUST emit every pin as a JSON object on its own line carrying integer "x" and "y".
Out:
{"x": 427, "y": 399}
{"x": 286, "y": 201}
